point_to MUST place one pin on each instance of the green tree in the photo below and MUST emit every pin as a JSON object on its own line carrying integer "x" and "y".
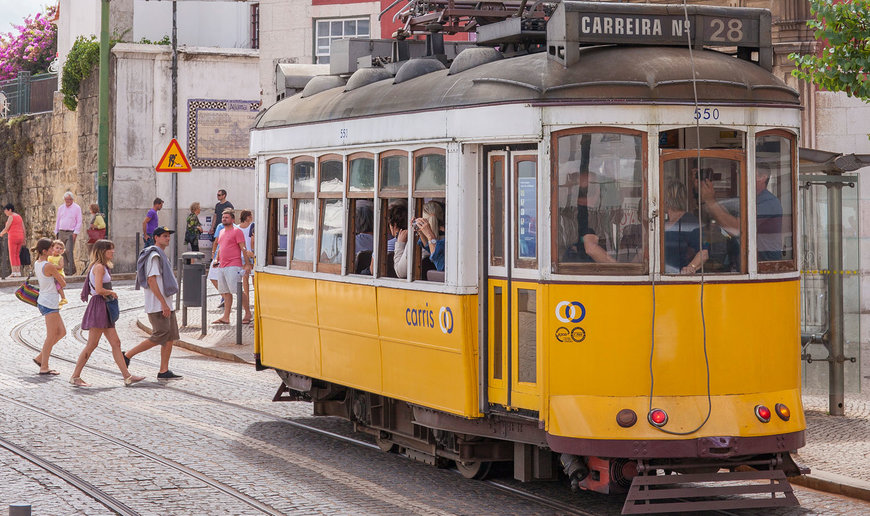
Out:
{"x": 842, "y": 62}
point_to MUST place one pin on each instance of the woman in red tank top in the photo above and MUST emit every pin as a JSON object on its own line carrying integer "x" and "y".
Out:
{"x": 15, "y": 229}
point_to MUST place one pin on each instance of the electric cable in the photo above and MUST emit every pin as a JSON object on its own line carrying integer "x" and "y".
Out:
{"x": 703, "y": 263}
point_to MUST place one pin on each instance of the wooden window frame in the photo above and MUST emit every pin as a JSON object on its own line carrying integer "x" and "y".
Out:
{"x": 592, "y": 268}
{"x": 295, "y": 197}
{"x": 352, "y": 198}
{"x": 737, "y": 155}
{"x": 322, "y": 198}
{"x": 523, "y": 263}
{"x": 425, "y": 152}
{"x": 272, "y": 211}
{"x": 768, "y": 267}
{"x": 390, "y": 193}
{"x": 497, "y": 261}
{"x": 353, "y": 157}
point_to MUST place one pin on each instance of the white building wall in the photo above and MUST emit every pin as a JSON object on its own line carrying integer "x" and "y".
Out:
{"x": 142, "y": 92}
{"x": 202, "y": 24}
{"x": 287, "y": 34}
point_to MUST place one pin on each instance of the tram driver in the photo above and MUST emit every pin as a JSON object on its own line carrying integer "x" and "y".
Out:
{"x": 768, "y": 209}
{"x": 588, "y": 246}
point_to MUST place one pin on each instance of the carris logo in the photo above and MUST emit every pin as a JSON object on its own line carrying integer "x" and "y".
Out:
{"x": 445, "y": 319}
{"x": 570, "y": 312}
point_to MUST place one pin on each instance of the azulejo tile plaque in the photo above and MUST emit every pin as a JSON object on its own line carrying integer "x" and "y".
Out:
{"x": 218, "y": 132}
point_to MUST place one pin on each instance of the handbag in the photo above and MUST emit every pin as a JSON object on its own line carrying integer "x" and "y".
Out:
{"x": 114, "y": 309}
{"x": 24, "y": 255}
{"x": 96, "y": 234}
{"x": 27, "y": 292}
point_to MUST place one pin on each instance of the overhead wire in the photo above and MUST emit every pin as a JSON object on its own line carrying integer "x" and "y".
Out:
{"x": 703, "y": 263}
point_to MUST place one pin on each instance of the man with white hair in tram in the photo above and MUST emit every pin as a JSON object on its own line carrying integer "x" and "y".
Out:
{"x": 67, "y": 226}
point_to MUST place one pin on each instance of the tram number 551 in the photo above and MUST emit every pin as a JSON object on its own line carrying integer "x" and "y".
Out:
{"x": 706, "y": 113}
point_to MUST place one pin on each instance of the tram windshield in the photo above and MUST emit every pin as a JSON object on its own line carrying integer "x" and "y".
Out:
{"x": 600, "y": 195}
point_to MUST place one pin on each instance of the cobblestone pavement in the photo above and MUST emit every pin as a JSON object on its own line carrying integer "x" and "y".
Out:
{"x": 219, "y": 422}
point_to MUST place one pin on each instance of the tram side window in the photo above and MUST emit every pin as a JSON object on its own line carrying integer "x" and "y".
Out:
{"x": 361, "y": 223}
{"x": 599, "y": 196}
{"x": 302, "y": 197}
{"x": 430, "y": 186}
{"x": 278, "y": 211}
{"x": 774, "y": 196}
{"x": 393, "y": 195}
{"x": 330, "y": 236}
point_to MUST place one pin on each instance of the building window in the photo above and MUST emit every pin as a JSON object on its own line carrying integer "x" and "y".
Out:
{"x": 255, "y": 25}
{"x": 340, "y": 28}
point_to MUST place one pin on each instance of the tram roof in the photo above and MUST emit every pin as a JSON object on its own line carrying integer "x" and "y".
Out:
{"x": 603, "y": 75}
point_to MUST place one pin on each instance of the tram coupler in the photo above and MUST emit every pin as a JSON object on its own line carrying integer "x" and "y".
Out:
{"x": 285, "y": 393}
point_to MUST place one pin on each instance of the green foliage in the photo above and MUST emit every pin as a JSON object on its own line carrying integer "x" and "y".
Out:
{"x": 80, "y": 62}
{"x": 164, "y": 41}
{"x": 843, "y": 60}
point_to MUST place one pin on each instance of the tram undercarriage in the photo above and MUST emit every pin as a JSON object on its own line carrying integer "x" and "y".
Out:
{"x": 474, "y": 445}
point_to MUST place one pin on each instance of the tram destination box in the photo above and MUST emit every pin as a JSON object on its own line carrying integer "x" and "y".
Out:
{"x": 575, "y": 24}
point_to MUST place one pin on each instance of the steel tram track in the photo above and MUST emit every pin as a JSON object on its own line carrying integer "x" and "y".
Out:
{"x": 103, "y": 498}
{"x": 504, "y": 487}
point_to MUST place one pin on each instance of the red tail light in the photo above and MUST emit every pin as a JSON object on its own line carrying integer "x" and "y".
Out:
{"x": 658, "y": 417}
{"x": 762, "y": 413}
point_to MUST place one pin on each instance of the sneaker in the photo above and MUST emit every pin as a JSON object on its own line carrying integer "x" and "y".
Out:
{"x": 63, "y": 301}
{"x": 126, "y": 360}
{"x": 168, "y": 375}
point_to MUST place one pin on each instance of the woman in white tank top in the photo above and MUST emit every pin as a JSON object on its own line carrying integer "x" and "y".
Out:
{"x": 48, "y": 303}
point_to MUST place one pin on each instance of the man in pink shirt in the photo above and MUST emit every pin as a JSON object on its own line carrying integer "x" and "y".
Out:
{"x": 67, "y": 227}
{"x": 231, "y": 270}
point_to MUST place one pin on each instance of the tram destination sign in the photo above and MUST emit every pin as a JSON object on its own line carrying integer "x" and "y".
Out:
{"x": 575, "y": 24}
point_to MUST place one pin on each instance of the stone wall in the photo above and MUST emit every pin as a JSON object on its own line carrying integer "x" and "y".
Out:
{"x": 43, "y": 156}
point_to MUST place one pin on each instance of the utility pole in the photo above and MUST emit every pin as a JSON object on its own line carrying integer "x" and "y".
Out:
{"x": 103, "y": 131}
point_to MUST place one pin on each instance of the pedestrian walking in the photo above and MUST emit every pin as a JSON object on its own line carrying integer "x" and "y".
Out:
{"x": 67, "y": 227}
{"x": 151, "y": 222}
{"x": 219, "y": 208}
{"x": 14, "y": 228}
{"x": 231, "y": 268}
{"x": 48, "y": 303}
{"x": 154, "y": 274}
{"x": 193, "y": 227}
{"x": 102, "y": 312}
{"x": 246, "y": 225}
{"x": 97, "y": 227}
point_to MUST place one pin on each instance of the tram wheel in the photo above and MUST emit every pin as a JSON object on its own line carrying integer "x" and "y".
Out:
{"x": 386, "y": 445}
{"x": 477, "y": 470}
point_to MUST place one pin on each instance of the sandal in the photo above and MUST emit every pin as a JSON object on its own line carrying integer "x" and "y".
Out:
{"x": 130, "y": 380}
{"x": 220, "y": 321}
{"x": 78, "y": 382}
{"x": 248, "y": 321}
{"x": 52, "y": 372}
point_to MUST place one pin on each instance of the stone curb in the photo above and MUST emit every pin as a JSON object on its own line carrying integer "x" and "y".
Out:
{"x": 196, "y": 348}
{"x": 834, "y": 483}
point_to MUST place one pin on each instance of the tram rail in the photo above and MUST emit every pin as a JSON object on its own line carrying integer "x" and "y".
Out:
{"x": 561, "y": 508}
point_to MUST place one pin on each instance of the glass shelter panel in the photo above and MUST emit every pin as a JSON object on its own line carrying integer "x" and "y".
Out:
{"x": 774, "y": 176}
{"x": 599, "y": 188}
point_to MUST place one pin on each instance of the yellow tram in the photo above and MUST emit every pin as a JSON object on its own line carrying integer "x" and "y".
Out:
{"x": 611, "y": 288}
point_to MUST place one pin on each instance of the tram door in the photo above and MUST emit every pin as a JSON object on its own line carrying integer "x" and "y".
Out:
{"x": 512, "y": 292}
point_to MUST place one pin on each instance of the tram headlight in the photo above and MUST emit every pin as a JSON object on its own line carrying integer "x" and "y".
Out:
{"x": 762, "y": 413}
{"x": 782, "y": 411}
{"x": 657, "y": 417}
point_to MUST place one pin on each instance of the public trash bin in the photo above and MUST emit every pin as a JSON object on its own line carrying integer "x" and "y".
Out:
{"x": 191, "y": 278}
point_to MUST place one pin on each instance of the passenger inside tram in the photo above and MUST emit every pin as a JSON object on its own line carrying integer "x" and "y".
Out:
{"x": 397, "y": 249}
{"x": 430, "y": 228}
{"x": 768, "y": 213}
{"x": 682, "y": 233}
{"x": 588, "y": 247}
{"x": 364, "y": 236}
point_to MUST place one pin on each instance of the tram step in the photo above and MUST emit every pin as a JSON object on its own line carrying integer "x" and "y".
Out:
{"x": 651, "y": 494}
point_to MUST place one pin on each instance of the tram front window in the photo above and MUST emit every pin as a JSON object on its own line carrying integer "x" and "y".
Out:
{"x": 774, "y": 201}
{"x": 599, "y": 202}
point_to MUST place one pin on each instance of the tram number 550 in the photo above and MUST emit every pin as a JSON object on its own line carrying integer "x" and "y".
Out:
{"x": 706, "y": 113}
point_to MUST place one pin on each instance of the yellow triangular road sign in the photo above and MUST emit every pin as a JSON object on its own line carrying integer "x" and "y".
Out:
{"x": 173, "y": 159}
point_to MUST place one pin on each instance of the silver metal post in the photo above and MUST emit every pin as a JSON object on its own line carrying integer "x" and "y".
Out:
{"x": 835, "y": 300}
{"x": 204, "y": 320}
{"x": 19, "y": 509}
{"x": 239, "y": 313}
